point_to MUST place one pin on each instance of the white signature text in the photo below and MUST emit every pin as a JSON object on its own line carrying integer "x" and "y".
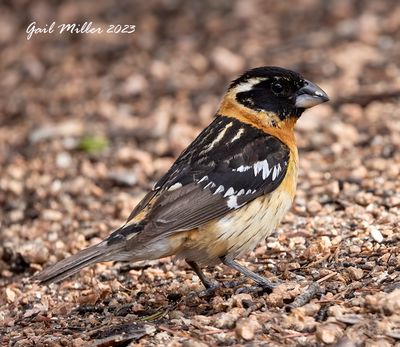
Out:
{"x": 75, "y": 28}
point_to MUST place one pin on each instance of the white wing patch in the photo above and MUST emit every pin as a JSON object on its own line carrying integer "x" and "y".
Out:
{"x": 277, "y": 170}
{"x": 263, "y": 167}
{"x": 175, "y": 187}
{"x": 205, "y": 178}
{"x": 242, "y": 168}
{"x": 232, "y": 202}
{"x": 210, "y": 185}
{"x": 266, "y": 170}
{"x": 220, "y": 189}
{"x": 229, "y": 192}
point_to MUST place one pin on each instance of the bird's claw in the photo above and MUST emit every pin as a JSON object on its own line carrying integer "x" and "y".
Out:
{"x": 255, "y": 289}
{"x": 208, "y": 292}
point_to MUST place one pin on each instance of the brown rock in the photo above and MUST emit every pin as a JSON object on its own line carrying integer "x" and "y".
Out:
{"x": 247, "y": 327}
{"x": 283, "y": 292}
{"x": 227, "y": 320}
{"x": 193, "y": 343}
{"x": 239, "y": 299}
{"x": 391, "y": 303}
{"x": 328, "y": 333}
{"x": 34, "y": 252}
{"x": 355, "y": 273}
{"x": 314, "y": 206}
{"x": 10, "y": 295}
{"x": 354, "y": 249}
{"x": 52, "y": 215}
{"x": 380, "y": 342}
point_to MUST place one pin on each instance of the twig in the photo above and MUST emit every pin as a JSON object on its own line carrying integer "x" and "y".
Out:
{"x": 332, "y": 274}
{"x": 208, "y": 332}
{"x": 168, "y": 330}
{"x": 211, "y": 332}
{"x": 295, "y": 334}
{"x": 325, "y": 257}
{"x": 312, "y": 290}
{"x": 158, "y": 315}
{"x": 329, "y": 301}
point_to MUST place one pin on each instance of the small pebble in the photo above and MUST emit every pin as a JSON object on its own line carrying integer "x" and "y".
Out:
{"x": 247, "y": 327}
{"x": 391, "y": 303}
{"x": 193, "y": 343}
{"x": 124, "y": 178}
{"x": 314, "y": 206}
{"x": 227, "y": 320}
{"x": 328, "y": 333}
{"x": 354, "y": 249}
{"x": 355, "y": 273}
{"x": 376, "y": 234}
{"x": 52, "y": 215}
{"x": 34, "y": 252}
{"x": 241, "y": 299}
{"x": 63, "y": 160}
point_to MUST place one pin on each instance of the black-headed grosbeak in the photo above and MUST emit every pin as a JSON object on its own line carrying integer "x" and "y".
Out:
{"x": 226, "y": 192}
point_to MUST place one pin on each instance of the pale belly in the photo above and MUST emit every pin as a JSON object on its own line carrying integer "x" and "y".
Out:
{"x": 239, "y": 231}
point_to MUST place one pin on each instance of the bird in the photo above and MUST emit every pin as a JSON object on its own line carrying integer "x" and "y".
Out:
{"x": 226, "y": 192}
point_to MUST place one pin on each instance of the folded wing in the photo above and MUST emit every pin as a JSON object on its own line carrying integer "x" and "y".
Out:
{"x": 227, "y": 166}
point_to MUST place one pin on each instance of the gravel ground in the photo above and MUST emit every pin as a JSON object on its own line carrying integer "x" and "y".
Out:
{"x": 90, "y": 121}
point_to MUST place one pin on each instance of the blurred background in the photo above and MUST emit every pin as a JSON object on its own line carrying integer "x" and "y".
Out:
{"x": 88, "y": 122}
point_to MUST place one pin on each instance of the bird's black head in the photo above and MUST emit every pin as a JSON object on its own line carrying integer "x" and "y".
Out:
{"x": 276, "y": 91}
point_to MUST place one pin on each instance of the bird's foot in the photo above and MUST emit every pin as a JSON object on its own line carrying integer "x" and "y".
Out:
{"x": 212, "y": 287}
{"x": 262, "y": 282}
{"x": 209, "y": 291}
{"x": 254, "y": 290}
{"x": 233, "y": 284}
{"x": 261, "y": 288}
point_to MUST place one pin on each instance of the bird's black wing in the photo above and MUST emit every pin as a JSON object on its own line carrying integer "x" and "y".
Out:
{"x": 228, "y": 165}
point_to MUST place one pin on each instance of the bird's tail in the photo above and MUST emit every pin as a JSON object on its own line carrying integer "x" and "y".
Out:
{"x": 71, "y": 265}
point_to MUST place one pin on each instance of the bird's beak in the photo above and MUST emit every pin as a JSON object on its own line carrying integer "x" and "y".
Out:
{"x": 310, "y": 95}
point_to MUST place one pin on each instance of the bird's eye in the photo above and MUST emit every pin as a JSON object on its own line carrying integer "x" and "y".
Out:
{"x": 277, "y": 88}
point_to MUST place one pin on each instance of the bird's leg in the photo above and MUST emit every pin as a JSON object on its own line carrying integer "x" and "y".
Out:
{"x": 210, "y": 285}
{"x": 260, "y": 281}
